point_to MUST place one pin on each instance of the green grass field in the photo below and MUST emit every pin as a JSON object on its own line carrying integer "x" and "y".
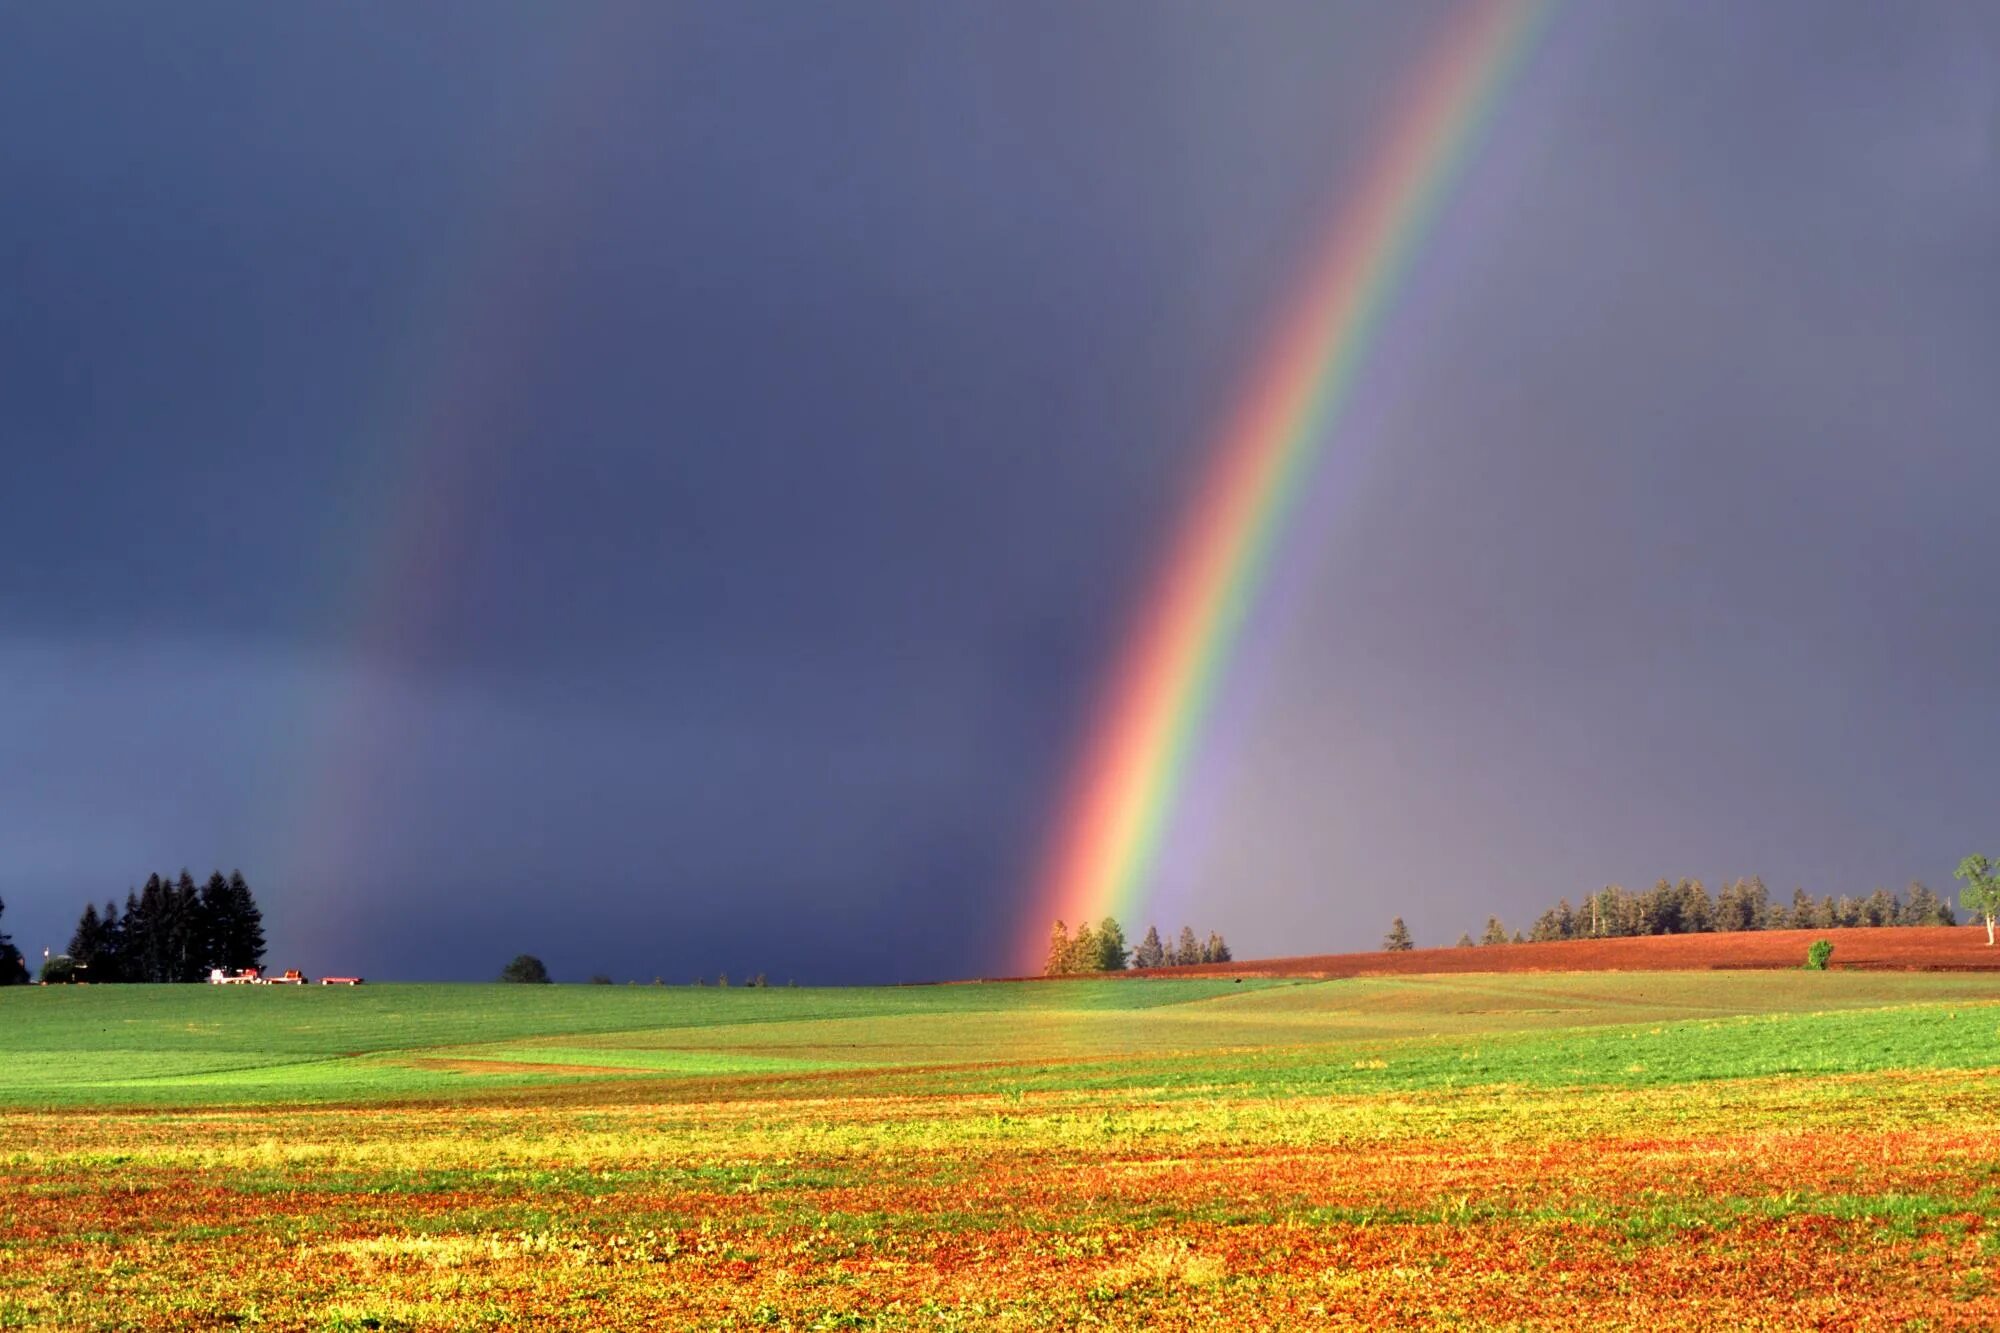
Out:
{"x": 1547, "y": 1150}
{"x": 184, "y": 1045}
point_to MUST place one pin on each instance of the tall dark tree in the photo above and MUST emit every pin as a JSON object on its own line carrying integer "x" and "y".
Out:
{"x": 13, "y": 968}
{"x": 109, "y": 965}
{"x": 1495, "y": 933}
{"x": 86, "y": 943}
{"x": 218, "y": 920}
{"x": 1187, "y": 950}
{"x": 245, "y": 945}
{"x": 145, "y": 927}
{"x": 1213, "y": 949}
{"x": 1150, "y": 953}
{"x": 185, "y": 936}
{"x": 1398, "y": 939}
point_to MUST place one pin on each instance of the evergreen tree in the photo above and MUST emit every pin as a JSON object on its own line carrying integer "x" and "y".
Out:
{"x": 1742, "y": 905}
{"x": 1112, "y": 954}
{"x": 1697, "y": 909}
{"x": 1187, "y": 950}
{"x": 218, "y": 917}
{"x": 1398, "y": 939}
{"x": 1057, "y": 962}
{"x": 1880, "y": 909}
{"x": 1150, "y": 953}
{"x": 86, "y": 942}
{"x": 1464, "y": 941}
{"x": 1565, "y": 920}
{"x": 1495, "y": 932}
{"x": 1805, "y": 912}
{"x": 109, "y": 964}
{"x": 185, "y": 930}
{"x": 244, "y": 946}
{"x": 145, "y": 926}
{"x": 1083, "y": 951}
{"x": 13, "y": 967}
{"x": 1217, "y": 948}
{"x": 1925, "y": 908}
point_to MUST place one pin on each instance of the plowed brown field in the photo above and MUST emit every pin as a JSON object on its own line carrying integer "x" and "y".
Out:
{"x": 1894, "y": 948}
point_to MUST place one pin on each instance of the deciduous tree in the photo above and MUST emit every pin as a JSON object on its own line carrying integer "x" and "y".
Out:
{"x": 1981, "y": 895}
{"x": 525, "y": 970}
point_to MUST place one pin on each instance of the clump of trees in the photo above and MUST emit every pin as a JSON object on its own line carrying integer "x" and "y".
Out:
{"x": 13, "y": 968}
{"x": 1685, "y": 907}
{"x": 527, "y": 970}
{"x": 170, "y": 930}
{"x": 1103, "y": 948}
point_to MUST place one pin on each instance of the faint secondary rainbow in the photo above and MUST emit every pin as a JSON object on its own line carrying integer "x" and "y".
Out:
{"x": 1135, "y": 762}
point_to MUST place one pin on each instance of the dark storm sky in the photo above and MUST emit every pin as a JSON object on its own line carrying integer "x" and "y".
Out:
{"x": 658, "y": 485}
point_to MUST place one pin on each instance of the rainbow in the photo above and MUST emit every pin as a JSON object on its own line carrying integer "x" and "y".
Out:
{"x": 1135, "y": 763}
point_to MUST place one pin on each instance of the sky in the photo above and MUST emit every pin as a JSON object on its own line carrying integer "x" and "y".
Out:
{"x": 662, "y": 486}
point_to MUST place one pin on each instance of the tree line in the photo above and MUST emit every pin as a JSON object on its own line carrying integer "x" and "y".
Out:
{"x": 1102, "y": 948}
{"x": 169, "y": 930}
{"x": 13, "y": 969}
{"x": 1685, "y": 907}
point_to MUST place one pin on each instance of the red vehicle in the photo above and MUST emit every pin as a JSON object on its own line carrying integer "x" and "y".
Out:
{"x": 292, "y": 977}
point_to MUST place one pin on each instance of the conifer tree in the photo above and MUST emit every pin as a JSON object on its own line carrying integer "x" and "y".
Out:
{"x": 1216, "y": 949}
{"x": 1150, "y": 953}
{"x": 246, "y": 940}
{"x": 146, "y": 925}
{"x": 1083, "y": 951}
{"x": 184, "y": 930}
{"x": 1112, "y": 954}
{"x": 109, "y": 964}
{"x": 13, "y": 968}
{"x": 1057, "y": 962}
{"x": 1495, "y": 932}
{"x": 86, "y": 942}
{"x": 1187, "y": 952}
{"x": 1398, "y": 939}
{"x": 218, "y": 920}
{"x": 1464, "y": 941}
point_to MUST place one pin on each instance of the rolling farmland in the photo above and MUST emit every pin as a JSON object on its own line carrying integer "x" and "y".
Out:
{"x": 1478, "y": 1150}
